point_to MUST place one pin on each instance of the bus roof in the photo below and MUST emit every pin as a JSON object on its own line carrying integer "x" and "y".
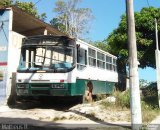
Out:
{"x": 96, "y": 48}
{"x": 47, "y": 37}
{"x": 39, "y": 37}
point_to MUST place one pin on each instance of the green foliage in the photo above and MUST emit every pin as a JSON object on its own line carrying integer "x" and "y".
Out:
{"x": 122, "y": 99}
{"x": 143, "y": 83}
{"x": 145, "y": 34}
{"x": 150, "y": 95}
{"x": 148, "y": 112}
{"x": 149, "y": 103}
{"x": 6, "y": 2}
{"x": 57, "y": 24}
{"x": 42, "y": 16}
{"x": 100, "y": 45}
{"x": 29, "y": 7}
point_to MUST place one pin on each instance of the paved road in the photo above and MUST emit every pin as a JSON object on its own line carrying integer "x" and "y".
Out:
{"x": 155, "y": 124}
{"x": 58, "y": 126}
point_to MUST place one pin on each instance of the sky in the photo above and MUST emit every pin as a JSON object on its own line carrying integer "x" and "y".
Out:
{"x": 107, "y": 15}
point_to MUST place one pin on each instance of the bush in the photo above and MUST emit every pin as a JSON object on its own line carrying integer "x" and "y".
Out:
{"x": 122, "y": 99}
{"x": 149, "y": 103}
{"x": 148, "y": 112}
{"x": 150, "y": 95}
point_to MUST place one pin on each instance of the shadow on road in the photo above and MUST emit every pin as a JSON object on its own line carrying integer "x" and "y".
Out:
{"x": 97, "y": 120}
{"x": 31, "y": 124}
{"x": 56, "y": 103}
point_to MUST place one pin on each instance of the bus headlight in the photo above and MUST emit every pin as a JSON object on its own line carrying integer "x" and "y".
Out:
{"x": 22, "y": 80}
{"x": 22, "y": 86}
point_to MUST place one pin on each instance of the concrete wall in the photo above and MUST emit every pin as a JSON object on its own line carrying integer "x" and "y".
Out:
{"x": 14, "y": 51}
{"x": 10, "y": 47}
{"x": 4, "y": 40}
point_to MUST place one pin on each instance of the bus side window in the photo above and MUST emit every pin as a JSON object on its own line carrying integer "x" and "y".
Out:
{"x": 81, "y": 58}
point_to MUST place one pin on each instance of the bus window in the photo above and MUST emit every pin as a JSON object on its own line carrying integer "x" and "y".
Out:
{"x": 40, "y": 52}
{"x": 114, "y": 65}
{"x": 108, "y": 63}
{"x": 92, "y": 57}
{"x": 92, "y": 61}
{"x": 100, "y": 60}
{"x": 52, "y": 54}
{"x": 29, "y": 56}
{"x": 82, "y": 56}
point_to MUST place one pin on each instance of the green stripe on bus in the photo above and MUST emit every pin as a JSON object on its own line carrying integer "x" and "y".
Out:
{"x": 72, "y": 89}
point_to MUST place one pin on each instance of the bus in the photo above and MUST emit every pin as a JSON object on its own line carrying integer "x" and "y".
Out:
{"x": 62, "y": 66}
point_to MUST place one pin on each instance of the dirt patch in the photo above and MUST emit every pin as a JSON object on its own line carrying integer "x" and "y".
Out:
{"x": 91, "y": 113}
{"x": 97, "y": 112}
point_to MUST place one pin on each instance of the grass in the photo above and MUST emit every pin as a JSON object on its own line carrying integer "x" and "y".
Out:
{"x": 122, "y": 101}
{"x": 149, "y": 104}
{"x": 149, "y": 114}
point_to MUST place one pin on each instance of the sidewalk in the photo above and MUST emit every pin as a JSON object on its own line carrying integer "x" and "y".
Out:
{"x": 155, "y": 124}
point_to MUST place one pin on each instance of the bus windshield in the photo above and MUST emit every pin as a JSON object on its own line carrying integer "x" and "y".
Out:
{"x": 54, "y": 56}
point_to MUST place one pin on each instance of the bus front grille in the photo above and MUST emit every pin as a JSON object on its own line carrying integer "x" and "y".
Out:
{"x": 41, "y": 85}
{"x": 41, "y": 92}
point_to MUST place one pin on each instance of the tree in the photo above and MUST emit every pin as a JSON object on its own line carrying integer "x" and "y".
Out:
{"x": 6, "y": 2}
{"x": 102, "y": 45}
{"x": 55, "y": 22}
{"x": 74, "y": 19}
{"x": 145, "y": 34}
{"x": 29, "y": 7}
{"x": 143, "y": 83}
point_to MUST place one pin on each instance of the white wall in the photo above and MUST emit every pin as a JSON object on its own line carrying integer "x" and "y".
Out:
{"x": 14, "y": 51}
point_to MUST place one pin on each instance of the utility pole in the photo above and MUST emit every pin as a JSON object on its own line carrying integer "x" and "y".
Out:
{"x": 157, "y": 55}
{"x": 136, "y": 117}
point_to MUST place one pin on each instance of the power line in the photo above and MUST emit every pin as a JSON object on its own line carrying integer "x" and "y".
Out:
{"x": 148, "y": 3}
{"x": 37, "y": 2}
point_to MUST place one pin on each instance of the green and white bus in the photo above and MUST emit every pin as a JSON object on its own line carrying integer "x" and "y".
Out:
{"x": 62, "y": 66}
